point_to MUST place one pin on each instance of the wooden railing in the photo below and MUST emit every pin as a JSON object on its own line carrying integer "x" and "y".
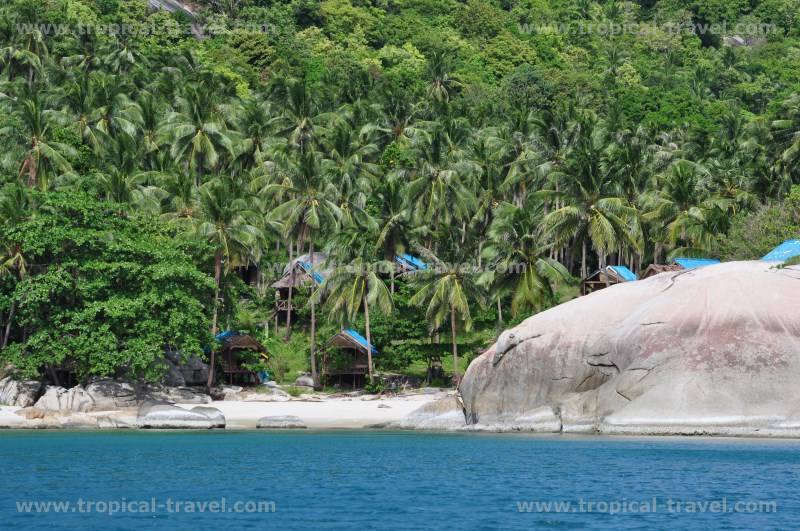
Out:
{"x": 283, "y": 305}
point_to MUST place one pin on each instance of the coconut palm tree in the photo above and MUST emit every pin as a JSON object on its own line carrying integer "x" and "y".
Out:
{"x": 347, "y": 162}
{"x": 446, "y": 290}
{"x": 42, "y": 158}
{"x": 519, "y": 261}
{"x": 355, "y": 285}
{"x": 310, "y": 209}
{"x": 595, "y": 211}
{"x": 682, "y": 204}
{"x": 223, "y": 220}
{"x": 196, "y": 133}
{"x": 437, "y": 184}
{"x": 15, "y": 206}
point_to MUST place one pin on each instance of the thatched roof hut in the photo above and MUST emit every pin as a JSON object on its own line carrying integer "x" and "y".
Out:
{"x": 304, "y": 273}
{"x": 613, "y": 274}
{"x": 656, "y": 269}
{"x": 353, "y": 360}
{"x": 232, "y": 344}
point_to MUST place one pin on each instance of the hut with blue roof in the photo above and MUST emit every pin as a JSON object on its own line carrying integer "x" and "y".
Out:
{"x": 679, "y": 264}
{"x": 694, "y": 263}
{"x": 408, "y": 263}
{"x": 350, "y": 364}
{"x": 299, "y": 273}
{"x": 603, "y": 278}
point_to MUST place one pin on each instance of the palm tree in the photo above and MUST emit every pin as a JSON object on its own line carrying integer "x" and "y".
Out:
{"x": 394, "y": 220}
{"x": 787, "y": 132}
{"x": 14, "y": 208}
{"x": 196, "y": 132}
{"x": 441, "y": 84}
{"x": 595, "y": 210}
{"x": 310, "y": 209}
{"x": 347, "y": 162}
{"x": 519, "y": 259}
{"x": 256, "y": 125}
{"x": 682, "y": 204}
{"x": 123, "y": 183}
{"x": 42, "y": 158}
{"x": 446, "y": 290}
{"x": 436, "y": 184}
{"x": 223, "y": 220}
{"x": 355, "y": 284}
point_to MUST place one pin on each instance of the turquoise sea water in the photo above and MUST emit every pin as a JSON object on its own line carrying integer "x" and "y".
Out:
{"x": 387, "y": 480}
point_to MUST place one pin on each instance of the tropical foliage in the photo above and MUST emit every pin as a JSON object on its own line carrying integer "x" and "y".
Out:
{"x": 513, "y": 145}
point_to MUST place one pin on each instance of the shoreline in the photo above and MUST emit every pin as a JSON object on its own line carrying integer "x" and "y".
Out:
{"x": 319, "y": 414}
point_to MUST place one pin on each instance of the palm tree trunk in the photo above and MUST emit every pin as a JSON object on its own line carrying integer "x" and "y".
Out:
{"x": 456, "y": 375}
{"x": 288, "y": 332}
{"x": 584, "y": 273}
{"x": 314, "y": 375}
{"x": 499, "y": 316}
{"x": 7, "y": 332}
{"x": 218, "y": 282}
{"x": 369, "y": 340}
{"x": 391, "y": 280}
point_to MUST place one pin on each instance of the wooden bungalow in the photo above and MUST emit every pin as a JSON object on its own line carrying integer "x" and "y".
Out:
{"x": 352, "y": 363}
{"x": 230, "y": 358}
{"x": 656, "y": 269}
{"x": 298, "y": 273}
{"x": 614, "y": 274}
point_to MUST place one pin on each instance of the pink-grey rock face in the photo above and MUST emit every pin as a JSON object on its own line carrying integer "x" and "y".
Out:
{"x": 714, "y": 350}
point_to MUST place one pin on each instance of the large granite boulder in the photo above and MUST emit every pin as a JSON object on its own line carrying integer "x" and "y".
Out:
{"x": 182, "y": 371}
{"x": 714, "y": 350}
{"x": 154, "y": 415}
{"x": 109, "y": 395}
{"x": 215, "y": 415}
{"x": 446, "y": 413}
{"x": 182, "y": 395}
{"x": 20, "y": 393}
{"x": 59, "y": 399}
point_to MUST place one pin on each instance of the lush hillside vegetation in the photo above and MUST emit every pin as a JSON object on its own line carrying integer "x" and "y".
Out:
{"x": 147, "y": 157}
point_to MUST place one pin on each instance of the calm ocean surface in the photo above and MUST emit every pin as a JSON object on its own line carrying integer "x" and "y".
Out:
{"x": 386, "y": 480}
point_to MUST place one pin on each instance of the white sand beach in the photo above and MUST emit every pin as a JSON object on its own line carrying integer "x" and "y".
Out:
{"x": 324, "y": 412}
{"x": 317, "y": 411}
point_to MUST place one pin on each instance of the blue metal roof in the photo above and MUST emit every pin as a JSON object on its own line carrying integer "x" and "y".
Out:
{"x": 361, "y": 340}
{"x": 623, "y": 272}
{"x": 222, "y": 336}
{"x": 692, "y": 263}
{"x": 412, "y": 262}
{"x": 781, "y": 253}
{"x": 316, "y": 275}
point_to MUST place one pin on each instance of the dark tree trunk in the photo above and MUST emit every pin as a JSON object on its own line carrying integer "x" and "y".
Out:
{"x": 7, "y": 332}
{"x": 369, "y": 341}
{"x": 288, "y": 332}
{"x": 456, "y": 375}
{"x": 314, "y": 375}
{"x": 218, "y": 282}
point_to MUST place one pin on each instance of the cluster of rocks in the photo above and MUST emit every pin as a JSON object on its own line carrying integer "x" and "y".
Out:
{"x": 100, "y": 404}
{"x": 108, "y": 403}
